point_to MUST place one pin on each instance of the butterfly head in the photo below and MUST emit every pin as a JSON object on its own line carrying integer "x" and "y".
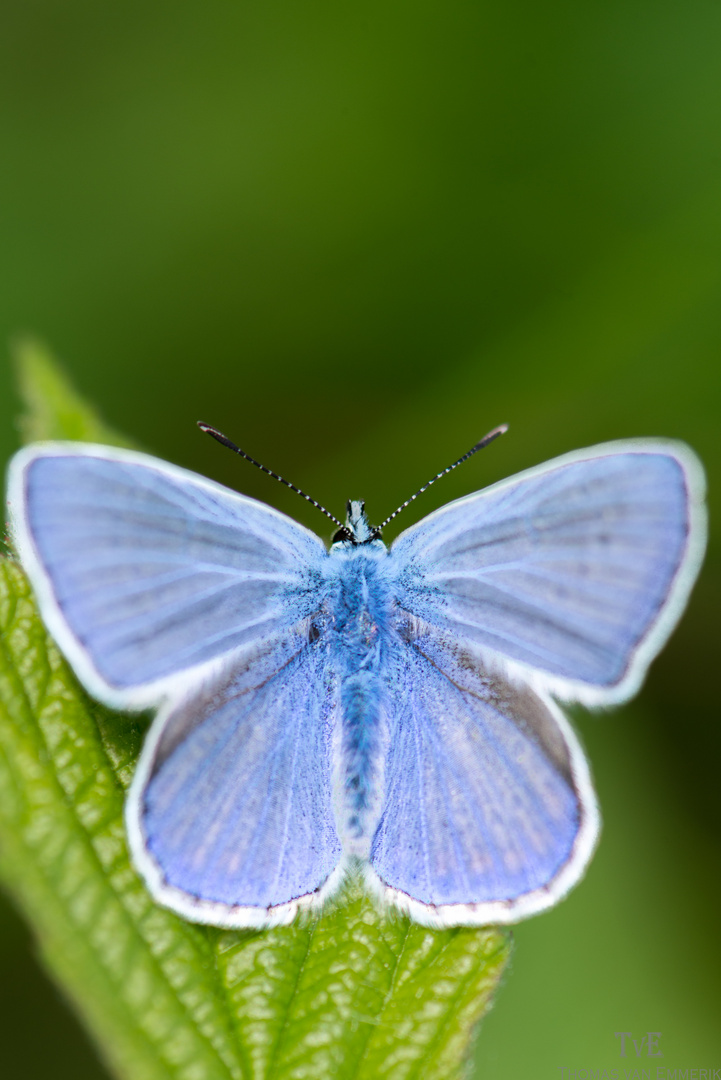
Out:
{"x": 356, "y": 529}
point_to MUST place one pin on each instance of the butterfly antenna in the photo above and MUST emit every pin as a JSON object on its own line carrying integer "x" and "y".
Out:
{"x": 501, "y": 430}
{"x": 225, "y": 441}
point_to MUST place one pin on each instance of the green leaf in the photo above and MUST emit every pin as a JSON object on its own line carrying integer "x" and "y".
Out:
{"x": 53, "y": 408}
{"x": 351, "y": 994}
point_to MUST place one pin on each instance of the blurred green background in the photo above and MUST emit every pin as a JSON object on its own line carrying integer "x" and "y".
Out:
{"x": 355, "y": 238}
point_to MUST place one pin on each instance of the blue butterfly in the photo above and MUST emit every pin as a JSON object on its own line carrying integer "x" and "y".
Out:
{"x": 386, "y": 708}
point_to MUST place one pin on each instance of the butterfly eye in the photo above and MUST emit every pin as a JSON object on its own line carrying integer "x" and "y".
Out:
{"x": 341, "y": 534}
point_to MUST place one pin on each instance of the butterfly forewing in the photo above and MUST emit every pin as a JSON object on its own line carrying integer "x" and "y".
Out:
{"x": 145, "y": 571}
{"x": 576, "y": 570}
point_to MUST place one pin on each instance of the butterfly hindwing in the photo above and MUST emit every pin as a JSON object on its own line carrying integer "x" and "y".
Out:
{"x": 230, "y": 816}
{"x": 576, "y": 570}
{"x": 488, "y": 810}
{"x": 145, "y": 572}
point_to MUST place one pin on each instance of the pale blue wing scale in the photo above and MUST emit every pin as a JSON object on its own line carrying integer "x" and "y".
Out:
{"x": 487, "y": 800}
{"x": 232, "y": 804}
{"x": 154, "y": 570}
{"x": 565, "y": 569}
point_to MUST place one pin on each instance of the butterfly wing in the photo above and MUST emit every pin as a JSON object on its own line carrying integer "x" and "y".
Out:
{"x": 230, "y": 814}
{"x": 146, "y": 572}
{"x": 573, "y": 573}
{"x": 488, "y": 811}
